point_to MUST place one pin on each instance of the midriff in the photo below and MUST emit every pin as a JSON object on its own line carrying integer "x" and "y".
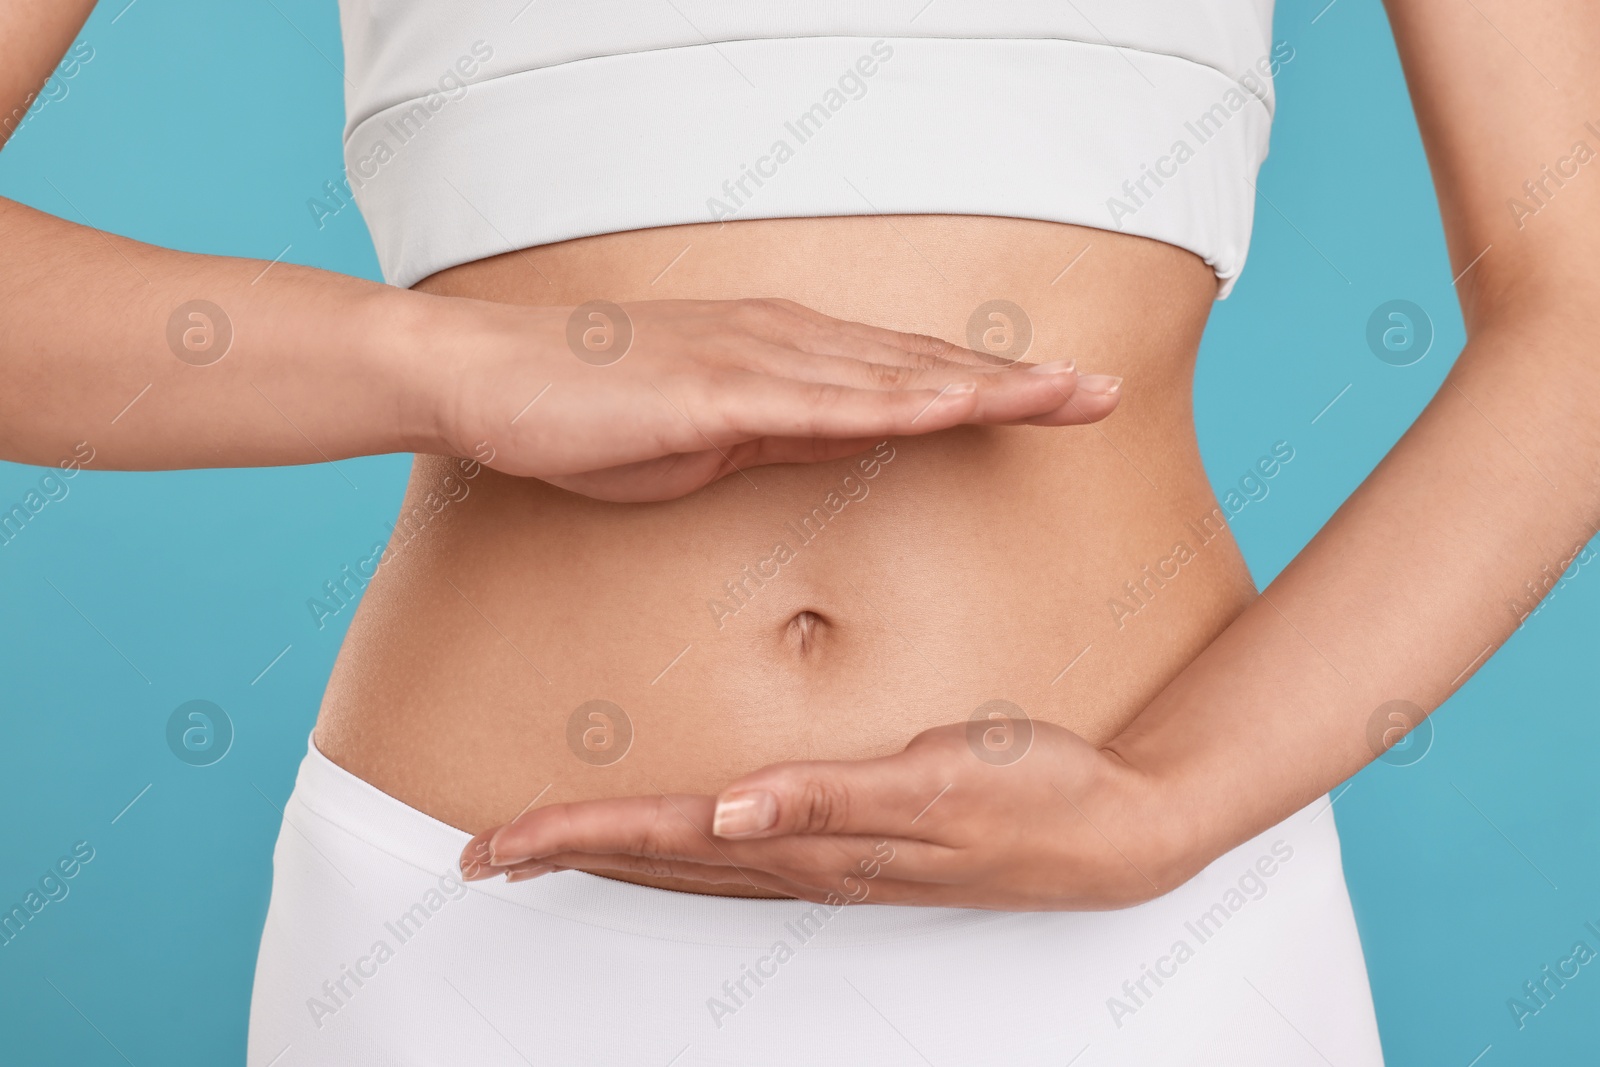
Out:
{"x": 1035, "y": 565}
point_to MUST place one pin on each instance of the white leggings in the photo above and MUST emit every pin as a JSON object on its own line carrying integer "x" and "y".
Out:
{"x": 375, "y": 953}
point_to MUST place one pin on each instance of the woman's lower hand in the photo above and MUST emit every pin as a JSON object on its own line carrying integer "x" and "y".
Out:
{"x": 653, "y": 400}
{"x": 1002, "y": 813}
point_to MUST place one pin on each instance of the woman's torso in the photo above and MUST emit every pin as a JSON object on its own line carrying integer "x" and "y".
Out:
{"x": 1072, "y": 571}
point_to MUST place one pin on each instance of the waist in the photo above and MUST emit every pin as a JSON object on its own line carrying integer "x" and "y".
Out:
{"x": 367, "y": 913}
{"x": 521, "y": 642}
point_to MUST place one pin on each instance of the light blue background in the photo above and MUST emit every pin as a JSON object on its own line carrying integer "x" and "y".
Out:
{"x": 207, "y": 127}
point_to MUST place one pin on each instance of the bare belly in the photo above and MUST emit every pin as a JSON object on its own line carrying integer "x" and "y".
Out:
{"x": 523, "y": 642}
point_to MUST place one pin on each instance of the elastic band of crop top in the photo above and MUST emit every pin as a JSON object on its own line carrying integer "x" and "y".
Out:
{"x": 525, "y": 143}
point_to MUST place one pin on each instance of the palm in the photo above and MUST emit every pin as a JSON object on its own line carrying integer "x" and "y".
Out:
{"x": 672, "y": 476}
{"x": 665, "y": 478}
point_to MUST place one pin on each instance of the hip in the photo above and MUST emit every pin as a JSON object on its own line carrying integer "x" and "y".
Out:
{"x": 375, "y": 951}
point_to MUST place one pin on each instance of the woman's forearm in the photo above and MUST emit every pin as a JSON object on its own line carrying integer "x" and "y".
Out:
{"x": 163, "y": 359}
{"x": 1425, "y": 570}
{"x": 102, "y": 340}
{"x": 1421, "y": 574}
{"x": 157, "y": 359}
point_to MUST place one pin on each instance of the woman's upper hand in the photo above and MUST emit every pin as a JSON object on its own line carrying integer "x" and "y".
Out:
{"x": 653, "y": 400}
{"x": 1002, "y": 813}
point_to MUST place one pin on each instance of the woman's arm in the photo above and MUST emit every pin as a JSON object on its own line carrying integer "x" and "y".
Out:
{"x": 1401, "y": 596}
{"x": 1408, "y": 589}
{"x": 163, "y": 359}
{"x": 313, "y": 366}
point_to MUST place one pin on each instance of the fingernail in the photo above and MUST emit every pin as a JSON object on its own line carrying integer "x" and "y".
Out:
{"x": 475, "y": 861}
{"x": 501, "y": 856}
{"x": 528, "y": 872}
{"x": 744, "y": 814}
{"x": 475, "y": 871}
{"x": 1060, "y": 366}
{"x": 510, "y": 859}
{"x": 1099, "y": 384}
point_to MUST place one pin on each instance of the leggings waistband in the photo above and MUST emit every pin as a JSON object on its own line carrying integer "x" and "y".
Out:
{"x": 327, "y": 792}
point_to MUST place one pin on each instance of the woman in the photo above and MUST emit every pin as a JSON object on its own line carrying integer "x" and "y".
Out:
{"x": 686, "y": 628}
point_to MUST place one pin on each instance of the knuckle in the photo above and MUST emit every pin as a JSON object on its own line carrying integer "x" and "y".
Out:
{"x": 824, "y": 807}
{"x": 759, "y": 311}
{"x": 889, "y": 376}
{"x": 559, "y": 827}
{"x": 705, "y": 413}
{"x": 929, "y": 349}
{"x": 655, "y": 836}
{"x": 826, "y": 395}
{"x": 946, "y": 739}
{"x": 743, "y": 315}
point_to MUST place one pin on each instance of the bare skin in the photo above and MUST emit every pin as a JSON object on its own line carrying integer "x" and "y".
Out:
{"x": 217, "y": 361}
{"x": 1409, "y": 588}
{"x": 976, "y": 566}
{"x": 1250, "y": 708}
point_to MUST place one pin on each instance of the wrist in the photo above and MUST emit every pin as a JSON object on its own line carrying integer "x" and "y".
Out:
{"x": 465, "y": 367}
{"x": 1170, "y": 827}
{"x": 422, "y": 347}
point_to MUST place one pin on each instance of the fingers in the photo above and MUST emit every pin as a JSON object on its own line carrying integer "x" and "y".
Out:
{"x": 868, "y": 344}
{"x": 474, "y": 861}
{"x": 851, "y": 887}
{"x": 761, "y": 406}
{"x": 669, "y": 477}
{"x": 863, "y": 341}
{"x": 848, "y": 890}
{"x": 935, "y": 374}
{"x": 1048, "y": 393}
{"x": 1095, "y": 397}
{"x": 864, "y": 356}
{"x": 850, "y": 870}
{"x": 885, "y": 368}
{"x": 756, "y": 405}
{"x": 940, "y": 823}
{"x": 662, "y": 826}
{"x": 662, "y": 478}
{"x": 745, "y": 383}
{"x": 673, "y": 829}
{"x": 747, "y": 407}
{"x": 671, "y": 836}
{"x": 767, "y": 450}
{"x": 621, "y": 863}
{"x": 886, "y": 796}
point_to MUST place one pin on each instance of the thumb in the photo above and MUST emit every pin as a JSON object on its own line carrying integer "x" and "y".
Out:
{"x": 877, "y": 796}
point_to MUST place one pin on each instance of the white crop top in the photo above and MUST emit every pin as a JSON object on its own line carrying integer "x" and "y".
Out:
{"x": 480, "y": 126}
